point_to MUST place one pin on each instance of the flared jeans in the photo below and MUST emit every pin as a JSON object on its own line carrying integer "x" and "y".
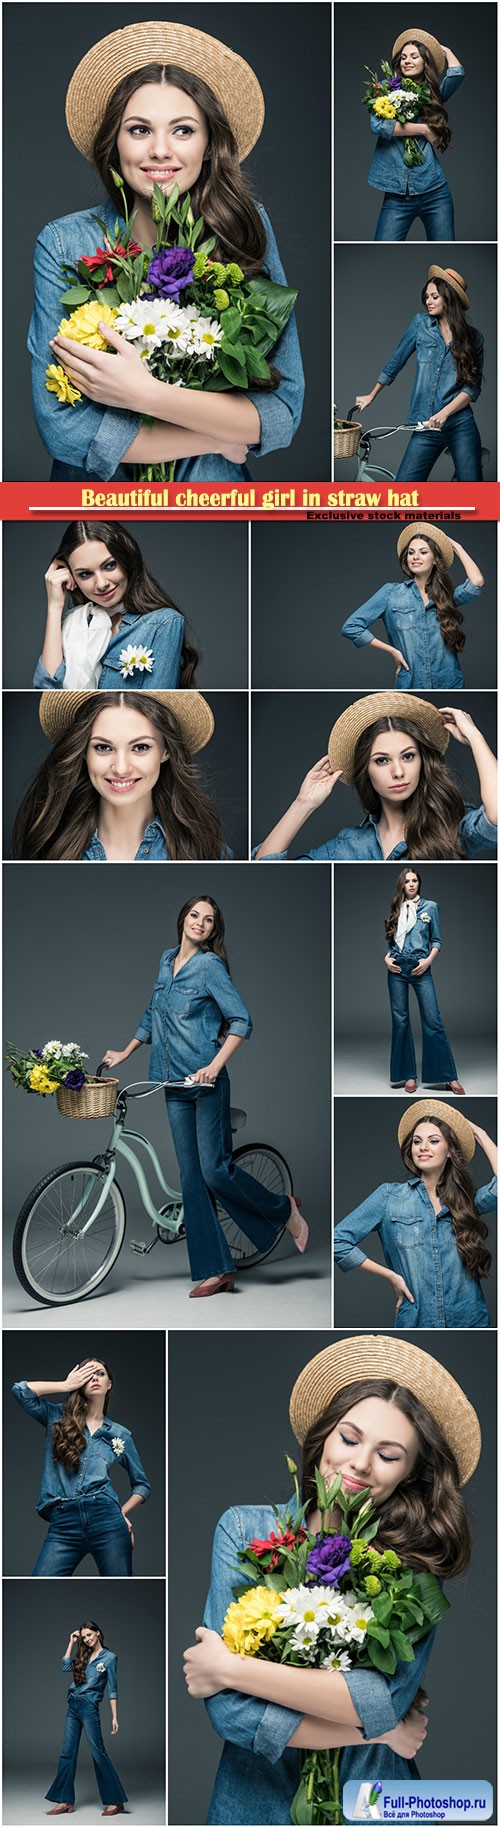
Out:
{"x": 201, "y": 1133}
{"x": 438, "y": 1065}
{"x": 93, "y": 1525}
{"x": 83, "y": 1713}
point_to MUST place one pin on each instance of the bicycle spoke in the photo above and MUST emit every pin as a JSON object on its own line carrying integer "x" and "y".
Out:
{"x": 61, "y": 1257}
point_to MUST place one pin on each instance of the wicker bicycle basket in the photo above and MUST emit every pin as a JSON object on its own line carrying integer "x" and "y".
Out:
{"x": 346, "y": 436}
{"x": 95, "y": 1099}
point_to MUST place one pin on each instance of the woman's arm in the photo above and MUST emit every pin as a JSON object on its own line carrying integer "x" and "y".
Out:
{"x": 114, "y": 1715}
{"x": 315, "y": 788}
{"x": 425, "y": 963}
{"x": 437, "y": 420}
{"x": 463, "y": 728}
{"x": 58, "y": 581}
{"x": 487, "y": 1145}
{"x": 472, "y": 571}
{"x": 126, "y": 383}
{"x": 357, "y": 627}
{"x": 325, "y": 1694}
{"x": 214, "y": 1067}
{"x": 113, "y": 1057}
{"x": 169, "y": 444}
{"x": 405, "y": 1739}
{"x": 454, "y": 63}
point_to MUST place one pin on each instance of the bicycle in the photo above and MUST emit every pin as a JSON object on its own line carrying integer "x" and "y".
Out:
{"x": 71, "y": 1228}
{"x": 367, "y": 472}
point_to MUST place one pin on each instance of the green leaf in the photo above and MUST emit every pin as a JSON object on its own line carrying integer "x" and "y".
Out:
{"x": 110, "y": 296}
{"x": 403, "y": 1648}
{"x": 382, "y": 1658}
{"x": 379, "y": 1632}
{"x": 197, "y": 231}
{"x": 77, "y": 295}
{"x": 301, "y": 1810}
{"x": 382, "y": 1607}
{"x": 207, "y": 247}
{"x": 233, "y": 371}
{"x": 230, "y": 322}
{"x": 124, "y": 288}
{"x": 431, "y": 1596}
{"x": 369, "y": 1533}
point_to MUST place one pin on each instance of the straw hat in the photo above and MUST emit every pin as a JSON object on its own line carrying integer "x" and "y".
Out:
{"x": 375, "y": 1355}
{"x": 425, "y": 530}
{"x": 435, "y": 1107}
{"x": 197, "y": 722}
{"x": 366, "y": 711}
{"x": 415, "y": 36}
{"x": 453, "y": 279}
{"x": 161, "y": 41}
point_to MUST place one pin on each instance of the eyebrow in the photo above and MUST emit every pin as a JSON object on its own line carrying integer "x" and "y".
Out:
{"x": 410, "y": 744}
{"x": 145, "y": 121}
{"x": 359, "y": 1432}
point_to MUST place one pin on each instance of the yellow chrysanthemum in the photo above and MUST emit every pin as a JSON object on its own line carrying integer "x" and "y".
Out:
{"x": 40, "y": 1081}
{"x": 251, "y": 1621}
{"x": 384, "y": 107}
{"x": 82, "y": 326}
{"x": 59, "y": 383}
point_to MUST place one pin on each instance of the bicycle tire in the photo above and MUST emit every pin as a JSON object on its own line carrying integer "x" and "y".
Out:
{"x": 244, "y": 1253}
{"x": 32, "y": 1284}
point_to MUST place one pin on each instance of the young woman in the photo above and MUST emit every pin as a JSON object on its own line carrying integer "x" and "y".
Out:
{"x": 449, "y": 356}
{"x": 390, "y": 747}
{"x": 387, "y": 1416}
{"x": 109, "y": 624}
{"x": 119, "y": 784}
{"x": 93, "y": 1670}
{"x": 431, "y": 1227}
{"x": 418, "y": 190}
{"x": 414, "y": 941}
{"x": 167, "y": 104}
{"x": 422, "y": 617}
{"x": 76, "y": 1494}
{"x": 195, "y": 1022}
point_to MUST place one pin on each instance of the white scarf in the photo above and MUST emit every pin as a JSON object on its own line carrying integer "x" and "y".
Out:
{"x": 84, "y": 642}
{"x": 408, "y": 915}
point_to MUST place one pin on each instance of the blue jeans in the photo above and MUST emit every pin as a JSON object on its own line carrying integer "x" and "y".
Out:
{"x": 424, "y": 448}
{"x": 201, "y": 1133}
{"x": 438, "y": 1065}
{"x": 82, "y": 1712}
{"x": 81, "y": 1526}
{"x": 434, "y": 207}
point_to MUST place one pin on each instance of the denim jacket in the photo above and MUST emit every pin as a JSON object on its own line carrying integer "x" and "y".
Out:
{"x": 162, "y": 631}
{"x": 183, "y": 1021}
{"x": 436, "y": 381}
{"x": 413, "y": 627}
{"x": 420, "y": 1246}
{"x": 421, "y": 939}
{"x": 152, "y": 848}
{"x": 259, "y": 1772}
{"x": 388, "y": 170}
{"x": 100, "y": 1673}
{"x": 91, "y": 1477}
{"x": 88, "y": 442}
{"x": 361, "y": 843}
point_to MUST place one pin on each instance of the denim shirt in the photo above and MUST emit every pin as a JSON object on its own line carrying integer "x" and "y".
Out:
{"x": 361, "y": 843}
{"x": 421, "y": 1246}
{"x": 258, "y": 1771}
{"x": 422, "y": 937}
{"x": 152, "y": 848}
{"x": 388, "y": 170}
{"x": 162, "y": 630}
{"x": 100, "y": 1673}
{"x": 184, "y": 1018}
{"x": 436, "y": 381}
{"x": 412, "y": 626}
{"x": 88, "y": 442}
{"x": 91, "y": 1477}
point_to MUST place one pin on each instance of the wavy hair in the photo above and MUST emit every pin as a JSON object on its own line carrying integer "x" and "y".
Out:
{"x": 142, "y": 593}
{"x": 455, "y": 1188}
{"x": 434, "y": 113}
{"x": 436, "y": 807}
{"x": 84, "y": 1652}
{"x": 424, "y": 1519}
{"x": 397, "y": 901}
{"x": 216, "y": 940}
{"x": 440, "y": 589}
{"x": 464, "y": 338}
{"x": 68, "y": 1435}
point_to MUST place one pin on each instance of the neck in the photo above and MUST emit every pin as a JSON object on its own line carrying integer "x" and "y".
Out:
{"x": 430, "y": 1177}
{"x": 392, "y": 820}
{"x": 122, "y": 828}
{"x": 95, "y": 1408}
{"x": 187, "y": 948}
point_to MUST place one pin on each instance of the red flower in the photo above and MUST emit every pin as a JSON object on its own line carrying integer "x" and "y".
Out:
{"x": 287, "y": 1540}
{"x": 95, "y": 260}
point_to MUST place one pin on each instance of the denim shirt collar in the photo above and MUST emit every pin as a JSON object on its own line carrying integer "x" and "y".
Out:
{"x": 416, "y": 1181}
{"x": 154, "y": 836}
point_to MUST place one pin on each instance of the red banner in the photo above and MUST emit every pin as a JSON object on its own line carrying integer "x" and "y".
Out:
{"x": 250, "y": 500}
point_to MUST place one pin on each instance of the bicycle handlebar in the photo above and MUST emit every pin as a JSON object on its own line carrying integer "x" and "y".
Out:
{"x": 387, "y": 431}
{"x": 157, "y": 1085}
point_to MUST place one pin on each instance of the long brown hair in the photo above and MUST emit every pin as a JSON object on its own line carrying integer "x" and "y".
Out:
{"x": 60, "y": 810}
{"x": 464, "y": 338}
{"x": 424, "y": 1519}
{"x": 142, "y": 593}
{"x": 397, "y": 901}
{"x": 216, "y": 940}
{"x": 439, "y": 588}
{"x": 68, "y": 1435}
{"x": 434, "y": 113}
{"x": 455, "y": 1188}
{"x": 436, "y": 807}
{"x": 84, "y": 1652}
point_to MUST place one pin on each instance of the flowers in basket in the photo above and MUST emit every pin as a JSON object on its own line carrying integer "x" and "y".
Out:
{"x": 195, "y": 321}
{"x": 332, "y": 1602}
{"x": 398, "y": 98}
{"x": 43, "y": 1069}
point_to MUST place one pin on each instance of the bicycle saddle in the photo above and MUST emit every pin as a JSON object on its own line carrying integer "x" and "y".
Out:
{"x": 238, "y": 1118}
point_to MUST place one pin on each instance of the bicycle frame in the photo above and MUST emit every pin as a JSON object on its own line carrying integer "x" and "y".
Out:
{"x": 117, "y": 1146}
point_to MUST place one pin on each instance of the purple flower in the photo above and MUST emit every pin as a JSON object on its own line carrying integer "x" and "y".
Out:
{"x": 330, "y": 1560}
{"x": 170, "y": 271}
{"x": 38, "y": 1052}
{"x": 75, "y": 1079}
{"x": 395, "y": 82}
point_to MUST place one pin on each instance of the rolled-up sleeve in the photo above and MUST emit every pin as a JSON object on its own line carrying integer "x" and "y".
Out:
{"x": 90, "y": 437}
{"x": 36, "y": 1406}
{"x": 111, "y": 1678}
{"x": 280, "y": 411}
{"x": 356, "y": 1225}
{"x": 485, "y": 1198}
{"x": 434, "y": 926}
{"x": 466, "y": 591}
{"x": 476, "y": 832}
{"x": 357, "y": 626}
{"x": 49, "y": 681}
{"x": 406, "y": 347}
{"x": 220, "y": 986}
{"x": 65, "y": 1663}
{"x": 138, "y": 1478}
{"x": 383, "y": 129}
{"x": 258, "y": 1726}
{"x": 382, "y": 1701}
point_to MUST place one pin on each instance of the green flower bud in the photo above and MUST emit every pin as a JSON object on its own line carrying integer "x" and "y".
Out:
{"x": 221, "y": 300}
{"x": 190, "y": 218}
{"x": 217, "y": 272}
{"x": 375, "y": 1559}
{"x": 156, "y": 210}
{"x": 391, "y": 1560}
{"x": 291, "y": 1465}
{"x": 199, "y": 266}
{"x": 234, "y": 272}
{"x": 357, "y": 1553}
{"x": 372, "y": 1585}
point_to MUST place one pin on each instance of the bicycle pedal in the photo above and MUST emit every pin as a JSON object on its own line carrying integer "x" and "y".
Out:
{"x": 137, "y": 1245}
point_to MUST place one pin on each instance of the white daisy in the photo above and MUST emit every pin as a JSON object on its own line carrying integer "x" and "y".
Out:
{"x": 118, "y": 1444}
{"x": 135, "y": 659}
{"x": 338, "y": 1659}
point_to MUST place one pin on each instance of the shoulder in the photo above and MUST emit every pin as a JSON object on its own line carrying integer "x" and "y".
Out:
{"x": 69, "y": 230}
{"x": 117, "y": 1428}
{"x": 244, "y": 1520}
{"x": 165, "y": 618}
{"x": 215, "y": 969}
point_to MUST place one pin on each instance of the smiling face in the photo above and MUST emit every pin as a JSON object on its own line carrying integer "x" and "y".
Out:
{"x": 394, "y": 766}
{"x": 419, "y": 558}
{"x": 373, "y": 1445}
{"x": 429, "y": 1148}
{"x": 162, "y": 139}
{"x": 90, "y": 1637}
{"x": 411, "y": 886}
{"x": 124, "y": 756}
{"x": 99, "y": 576}
{"x": 411, "y": 61}
{"x": 199, "y": 923}
{"x": 434, "y": 303}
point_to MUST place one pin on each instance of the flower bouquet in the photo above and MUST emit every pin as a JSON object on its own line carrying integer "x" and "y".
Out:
{"x": 196, "y": 322}
{"x": 398, "y": 98}
{"x": 43, "y": 1069}
{"x": 332, "y": 1602}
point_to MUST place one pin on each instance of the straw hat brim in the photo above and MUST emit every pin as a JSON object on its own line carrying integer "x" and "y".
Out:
{"x": 436, "y": 1107}
{"x": 374, "y": 1356}
{"x": 358, "y": 717}
{"x": 424, "y": 529}
{"x": 227, "y": 74}
{"x": 444, "y": 273}
{"x": 58, "y": 709}
{"x": 416, "y": 36}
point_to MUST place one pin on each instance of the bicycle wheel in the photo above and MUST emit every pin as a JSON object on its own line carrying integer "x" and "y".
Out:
{"x": 272, "y": 1171}
{"x": 53, "y": 1259}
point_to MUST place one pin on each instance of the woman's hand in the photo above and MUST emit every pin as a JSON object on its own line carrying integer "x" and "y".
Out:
{"x": 318, "y": 783}
{"x": 392, "y": 966}
{"x": 402, "y": 1291}
{"x": 114, "y": 1726}
{"x": 428, "y": 133}
{"x": 408, "y": 1736}
{"x": 74, "y": 1637}
{"x": 124, "y": 382}
{"x": 81, "y": 1374}
{"x": 437, "y": 420}
{"x": 206, "y": 1075}
{"x": 399, "y": 660}
{"x": 362, "y": 401}
{"x": 207, "y": 1664}
{"x": 418, "y": 970}
{"x": 459, "y": 723}
{"x": 113, "y": 1057}
{"x": 58, "y": 580}
{"x": 234, "y": 453}
{"x": 129, "y": 1527}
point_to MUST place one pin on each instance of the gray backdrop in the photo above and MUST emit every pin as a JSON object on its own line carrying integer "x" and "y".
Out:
{"x": 366, "y": 1154}
{"x": 206, "y": 574}
{"x": 306, "y": 579}
{"x": 221, "y": 768}
{"x": 294, "y": 71}
{"x": 293, "y": 729}
{"x": 240, "y": 1460}
{"x": 377, "y": 292}
{"x": 137, "y": 1401}
{"x": 363, "y": 35}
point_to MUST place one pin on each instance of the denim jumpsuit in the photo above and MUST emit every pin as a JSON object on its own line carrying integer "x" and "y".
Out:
{"x": 361, "y": 843}
{"x": 88, "y": 442}
{"x": 438, "y": 1065}
{"x": 412, "y": 190}
{"x": 420, "y": 1245}
{"x": 413, "y": 627}
{"x": 183, "y": 1022}
{"x": 436, "y": 383}
{"x": 258, "y": 1773}
{"x": 82, "y": 1507}
{"x": 161, "y": 630}
{"x": 83, "y": 1711}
